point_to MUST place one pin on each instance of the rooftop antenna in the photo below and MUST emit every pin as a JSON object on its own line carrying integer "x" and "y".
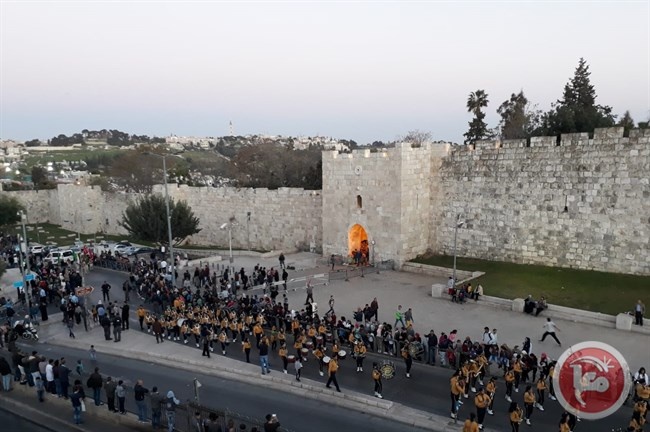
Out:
{"x": 232, "y": 129}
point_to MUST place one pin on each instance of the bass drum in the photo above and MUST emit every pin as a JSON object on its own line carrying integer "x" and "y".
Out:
{"x": 416, "y": 349}
{"x": 387, "y": 369}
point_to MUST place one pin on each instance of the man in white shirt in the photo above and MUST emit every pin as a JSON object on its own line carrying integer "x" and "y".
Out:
{"x": 549, "y": 330}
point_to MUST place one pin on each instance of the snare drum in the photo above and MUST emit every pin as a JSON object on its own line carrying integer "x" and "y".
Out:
{"x": 291, "y": 358}
{"x": 309, "y": 345}
{"x": 342, "y": 354}
{"x": 326, "y": 359}
{"x": 304, "y": 352}
{"x": 329, "y": 337}
{"x": 319, "y": 340}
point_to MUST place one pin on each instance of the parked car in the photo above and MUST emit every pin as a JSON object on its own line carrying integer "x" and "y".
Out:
{"x": 121, "y": 247}
{"x": 137, "y": 250}
{"x": 37, "y": 249}
{"x": 60, "y": 255}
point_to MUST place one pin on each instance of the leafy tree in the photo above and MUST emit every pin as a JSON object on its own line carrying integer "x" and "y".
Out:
{"x": 518, "y": 118}
{"x": 9, "y": 208}
{"x": 33, "y": 143}
{"x": 41, "y": 179}
{"x": 577, "y": 111}
{"x": 138, "y": 171}
{"x": 146, "y": 219}
{"x": 627, "y": 122}
{"x": 478, "y": 129}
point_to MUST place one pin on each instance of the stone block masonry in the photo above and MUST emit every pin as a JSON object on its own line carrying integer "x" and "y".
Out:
{"x": 283, "y": 219}
{"x": 579, "y": 202}
{"x": 569, "y": 202}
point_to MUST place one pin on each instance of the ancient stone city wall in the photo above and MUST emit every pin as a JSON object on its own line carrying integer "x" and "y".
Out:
{"x": 580, "y": 202}
{"x": 283, "y": 219}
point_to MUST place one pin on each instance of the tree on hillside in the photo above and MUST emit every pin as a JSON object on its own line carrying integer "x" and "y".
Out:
{"x": 518, "y": 118}
{"x": 478, "y": 129}
{"x": 627, "y": 122}
{"x": 138, "y": 171}
{"x": 577, "y": 111}
{"x": 40, "y": 178}
{"x": 146, "y": 219}
{"x": 9, "y": 208}
{"x": 33, "y": 143}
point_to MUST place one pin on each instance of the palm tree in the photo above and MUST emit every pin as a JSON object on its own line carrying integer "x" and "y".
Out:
{"x": 477, "y": 100}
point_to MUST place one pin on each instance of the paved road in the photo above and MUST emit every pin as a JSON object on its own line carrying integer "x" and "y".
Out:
{"x": 295, "y": 413}
{"x": 12, "y": 422}
{"x": 427, "y": 390}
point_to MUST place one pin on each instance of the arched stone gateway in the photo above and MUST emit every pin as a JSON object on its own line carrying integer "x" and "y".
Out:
{"x": 358, "y": 241}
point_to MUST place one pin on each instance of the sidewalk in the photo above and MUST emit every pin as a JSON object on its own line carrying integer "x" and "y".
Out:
{"x": 56, "y": 414}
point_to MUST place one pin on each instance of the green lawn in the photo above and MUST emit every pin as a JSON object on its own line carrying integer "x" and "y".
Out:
{"x": 609, "y": 293}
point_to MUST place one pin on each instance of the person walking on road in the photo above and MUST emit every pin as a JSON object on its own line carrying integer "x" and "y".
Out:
{"x": 399, "y": 317}
{"x": 158, "y": 331}
{"x": 549, "y": 330}
{"x": 481, "y": 401}
{"x": 310, "y": 294}
{"x": 470, "y": 424}
{"x": 331, "y": 305}
{"x": 374, "y": 309}
{"x": 139, "y": 393}
{"x": 376, "y": 378}
{"x": 333, "y": 366}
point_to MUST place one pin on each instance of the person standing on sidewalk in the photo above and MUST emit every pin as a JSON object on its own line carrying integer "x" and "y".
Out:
{"x": 5, "y": 371}
{"x": 139, "y": 393}
{"x": 549, "y": 330}
{"x": 158, "y": 331}
{"x": 432, "y": 347}
{"x": 639, "y": 311}
{"x": 120, "y": 394}
{"x": 109, "y": 388}
{"x": 95, "y": 383}
{"x": 70, "y": 327}
{"x": 40, "y": 389}
{"x": 77, "y": 399}
{"x": 117, "y": 329}
{"x": 156, "y": 400}
{"x": 374, "y": 309}
{"x": 105, "y": 291}
{"x": 64, "y": 378}
{"x": 170, "y": 407}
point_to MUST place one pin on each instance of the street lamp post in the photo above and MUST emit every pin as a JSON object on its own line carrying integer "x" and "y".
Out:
{"x": 20, "y": 254}
{"x": 459, "y": 224}
{"x": 169, "y": 218}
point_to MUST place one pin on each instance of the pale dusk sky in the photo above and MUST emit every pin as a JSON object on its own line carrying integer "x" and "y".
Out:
{"x": 356, "y": 70}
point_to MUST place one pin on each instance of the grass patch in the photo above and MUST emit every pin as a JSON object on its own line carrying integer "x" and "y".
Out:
{"x": 609, "y": 293}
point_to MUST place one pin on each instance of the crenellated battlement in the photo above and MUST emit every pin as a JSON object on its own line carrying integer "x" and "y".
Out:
{"x": 612, "y": 135}
{"x": 400, "y": 149}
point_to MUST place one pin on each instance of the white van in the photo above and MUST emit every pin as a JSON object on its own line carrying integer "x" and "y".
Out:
{"x": 60, "y": 256}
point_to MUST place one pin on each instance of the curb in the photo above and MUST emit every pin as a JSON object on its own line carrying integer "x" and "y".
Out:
{"x": 129, "y": 420}
{"x": 306, "y": 388}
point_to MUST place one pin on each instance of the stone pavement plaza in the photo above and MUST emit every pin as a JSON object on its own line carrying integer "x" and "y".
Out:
{"x": 414, "y": 290}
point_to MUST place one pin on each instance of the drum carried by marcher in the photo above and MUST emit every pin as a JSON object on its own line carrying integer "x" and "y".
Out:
{"x": 342, "y": 354}
{"x": 291, "y": 358}
{"x": 387, "y": 369}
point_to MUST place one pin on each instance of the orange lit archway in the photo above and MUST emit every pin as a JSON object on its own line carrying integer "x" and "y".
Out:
{"x": 357, "y": 240}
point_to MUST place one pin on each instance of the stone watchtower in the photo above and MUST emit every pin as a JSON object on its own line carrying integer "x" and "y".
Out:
{"x": 382, "y": 202}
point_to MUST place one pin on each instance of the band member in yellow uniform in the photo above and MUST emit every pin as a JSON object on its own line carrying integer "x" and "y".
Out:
{"x": 222, "y": 339}
{"x": 408, "y": 360}
{"x": 457, "y": 387}
{"x": 481, "y": 401}
{"x": 510, "y": 379}
{"x": 283, "y": 355}
{"x": 196, "y": 331}
{"x": 516, "y": 368}
{"x": 149, "y": 320}
{"x": 470, "y": 424}
{"x": 551, "y": 390}
{"x": 335, "y": 349}
{"x": 142, "y": 313}
{"x": 184, "y": 330}
{"x": 258, "y": 331}
{"x": 515, "y": 414}
{"x": 541, "y": 389}
{"x": 474, "y": 369}
{"x": 491, "y": 390}
{"x": 311, "y": 333}
{"x": 319, "y": 353}
{"x": 529, "y": 403}
{"x": 297, "y": 345}
{"x": 376, "y": 377}
{"x": 247, "y": 349}
{"x": 332, "y": 368}
{"x": 360, "y": 354}
{"x": 564, "y": 424}
{"x": 465, "y": 368}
